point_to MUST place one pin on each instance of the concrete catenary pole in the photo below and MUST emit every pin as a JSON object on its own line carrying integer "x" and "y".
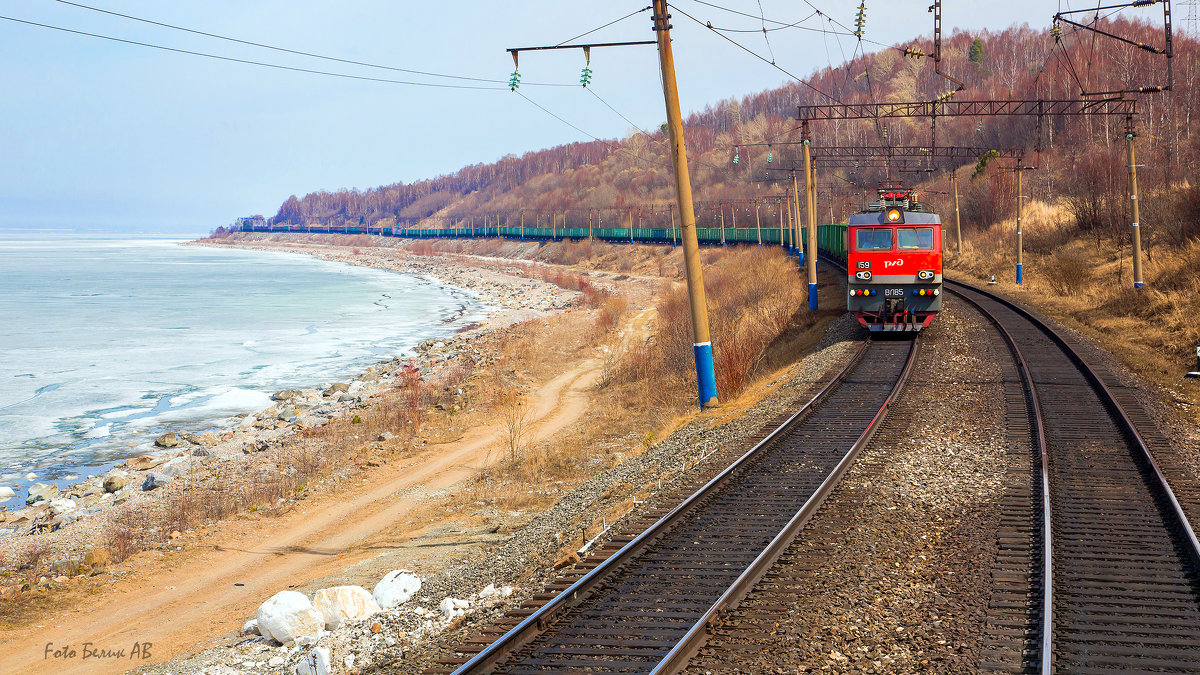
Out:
{"x": 811, "y": 259}
{"x": 1136, "y": 234}
{"x": 1020, "y": 265}
{"x": 957, "y": 224}
{"x": 701, "y": 341}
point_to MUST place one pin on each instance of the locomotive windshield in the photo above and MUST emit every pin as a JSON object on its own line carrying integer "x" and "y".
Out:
{"x": 914, "y": 238}
{"x": 873, "y": 239}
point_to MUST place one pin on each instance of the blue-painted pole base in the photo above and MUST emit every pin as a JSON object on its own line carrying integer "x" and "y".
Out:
{"x": 800, "y": 257}
{"x": 1137, "y": 284}
{"x": 812, "y": 297}
{"x": 705, "y": 376}
{"x": 1020, "y": 273}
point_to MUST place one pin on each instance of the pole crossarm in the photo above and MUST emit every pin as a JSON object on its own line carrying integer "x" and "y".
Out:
{"x": 1032, "y": 107}
{"x": 513, "y": 50}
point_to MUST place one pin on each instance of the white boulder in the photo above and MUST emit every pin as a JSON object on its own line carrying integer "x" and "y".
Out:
{"x": 61, "y": 506}
{"x": 250, "y": 627}
{"x": 395, "y": 588}
{"x": 289, "y": 616}
{"x": 453, "y": 607}
{"x": 343, "y": 603}
{"x": 6, "y": 493}
{"x": 315, "y": 662}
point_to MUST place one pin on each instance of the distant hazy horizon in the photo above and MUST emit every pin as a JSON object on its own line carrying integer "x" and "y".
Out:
{"x": 108, "y": 137}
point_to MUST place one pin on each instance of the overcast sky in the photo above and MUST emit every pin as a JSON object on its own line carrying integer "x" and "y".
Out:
{"x": 99, "y": 135}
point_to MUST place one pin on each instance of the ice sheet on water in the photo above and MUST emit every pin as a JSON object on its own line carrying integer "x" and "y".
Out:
{"x": 145, "y": 334}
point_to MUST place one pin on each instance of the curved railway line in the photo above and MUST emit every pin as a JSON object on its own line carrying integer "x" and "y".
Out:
{"x": 1113, "y": 583}
{"x": 645, "y": 608}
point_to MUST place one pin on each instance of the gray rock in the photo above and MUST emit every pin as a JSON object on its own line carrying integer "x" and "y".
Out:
{"x": 167, "y": 440}
{"x": 42, "y": 492}
{"x": 200, "y": 452}
{"x": 176, "y": 467}
{"x": 287, "y": 414}
{"x": 386, "y": 436}
{"x": 155, "y": 480}
{"x": 115, "y": 481}
{"x": 336, "y": 388}
{"x": 285, "y": 395}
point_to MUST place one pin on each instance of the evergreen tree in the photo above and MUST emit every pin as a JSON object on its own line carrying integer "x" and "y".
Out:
{"x": 975, "y": 55}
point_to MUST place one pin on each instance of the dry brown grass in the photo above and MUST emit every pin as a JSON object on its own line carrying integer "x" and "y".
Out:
{"x": 753, "y": 295}
{"x": 1086, "y": 280}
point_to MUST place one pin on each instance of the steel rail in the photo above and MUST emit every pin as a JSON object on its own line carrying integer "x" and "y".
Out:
{"x": 581, "y": 589}
{"x": 1119, "y": 417}
{"x": 1115, "y": 409}
{"x": 694, "y": 639}
{"x": 1047, "y": 641}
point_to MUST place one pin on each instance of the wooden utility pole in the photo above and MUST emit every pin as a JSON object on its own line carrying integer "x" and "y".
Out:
{"x": 797, "y": 247}
{"x": 758, "y": 221}
{"x": 1136, "y": 234}
{"x": 721, "y": 209}
{"x": 957, "y": 224}
{"x": 1020, "y": 265}
{"x": 781, "y": 241}
{"x": 810, "y": 259}
{"x": 701, "y": 341}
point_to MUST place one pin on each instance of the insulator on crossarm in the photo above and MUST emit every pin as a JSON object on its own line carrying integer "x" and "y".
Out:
{"x": 914, "y": 52}
{"x": 947, "y": 96}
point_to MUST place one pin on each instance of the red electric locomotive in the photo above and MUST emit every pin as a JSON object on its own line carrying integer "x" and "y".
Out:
{"x": 894, "y": 262}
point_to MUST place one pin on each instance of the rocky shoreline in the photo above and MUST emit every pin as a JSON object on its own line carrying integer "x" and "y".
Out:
{"x": 62, "y": 527}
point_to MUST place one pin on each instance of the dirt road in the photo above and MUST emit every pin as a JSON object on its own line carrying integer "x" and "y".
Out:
{"x": 185, "y": 604}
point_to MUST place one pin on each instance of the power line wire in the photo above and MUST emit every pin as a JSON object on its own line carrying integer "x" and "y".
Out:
{"x": 757, "y": 55}
{"x": 248, "y": 61}
{"x": 644, "y": 9}
{"x": 294, "y": 51}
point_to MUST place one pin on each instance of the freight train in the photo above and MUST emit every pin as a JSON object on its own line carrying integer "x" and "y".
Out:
{"x": 892, "y": 250}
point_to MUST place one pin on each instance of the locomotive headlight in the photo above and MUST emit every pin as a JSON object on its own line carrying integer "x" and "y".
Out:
{"x": 895, "y": 216}
{"x": 925, "y": 275}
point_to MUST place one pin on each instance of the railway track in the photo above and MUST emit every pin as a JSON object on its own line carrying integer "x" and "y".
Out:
{"x": 1112, "y": 584}
{"x": 645, "y": 608}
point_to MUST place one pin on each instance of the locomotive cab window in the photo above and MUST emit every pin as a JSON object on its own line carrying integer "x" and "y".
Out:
{"x": 914, "y": 238}
{"x": 873, "y": 239}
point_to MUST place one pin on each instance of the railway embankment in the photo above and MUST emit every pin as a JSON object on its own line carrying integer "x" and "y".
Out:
{"x": 390, "y": 484}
